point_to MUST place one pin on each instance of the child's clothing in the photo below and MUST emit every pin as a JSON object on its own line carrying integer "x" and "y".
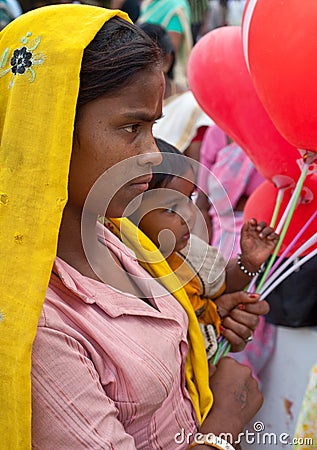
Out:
{"x": 201, "y": 268}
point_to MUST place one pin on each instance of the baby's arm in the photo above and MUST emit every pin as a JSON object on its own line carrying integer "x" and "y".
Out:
{"x": 257, "y": 242}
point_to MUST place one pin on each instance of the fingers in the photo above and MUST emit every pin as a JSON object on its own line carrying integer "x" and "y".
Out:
{"x": 264, "y": 231}
{"x": 239, "y": 325}
{"x": 240, "y": 313}
{"x": 236, "y": 393}
{"x": 259, "y": 308}
{"x": 237, "y": 333}
{"x": 227, "y": 302}
{"x": 229, "y": 370}
{"x": 241, "y": 319}
{"x": 267, "y": 233}
{"x": 236, "y": 342}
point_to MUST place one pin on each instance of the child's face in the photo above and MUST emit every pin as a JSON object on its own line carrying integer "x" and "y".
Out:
{"x": 171, "y": 213}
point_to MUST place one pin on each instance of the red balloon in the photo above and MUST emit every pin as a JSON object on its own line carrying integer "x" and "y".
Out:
{"x": 261, "y": 203}
{"x": 279, "y": 39}
{"x": 220, "y": 81}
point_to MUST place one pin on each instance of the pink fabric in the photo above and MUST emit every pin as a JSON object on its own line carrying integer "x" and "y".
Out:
{"x": 214, "y": 140}
{"x": 258, "y": 352}
{"x": 106, "y": 365}
{"x": 237, "y": 175}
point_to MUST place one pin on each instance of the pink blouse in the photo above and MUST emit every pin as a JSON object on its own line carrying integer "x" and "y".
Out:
{"x": 108, "y": 368}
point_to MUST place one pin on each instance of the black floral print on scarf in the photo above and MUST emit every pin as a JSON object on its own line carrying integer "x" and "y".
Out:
{"x": 21, "y": 60}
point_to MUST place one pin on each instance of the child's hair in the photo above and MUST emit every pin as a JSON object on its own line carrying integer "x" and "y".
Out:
{"x": 170, "y": 167}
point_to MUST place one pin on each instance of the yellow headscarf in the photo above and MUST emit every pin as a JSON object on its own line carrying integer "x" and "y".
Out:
{"x": 149, "y": 256}
{"x": 40, "y": 60}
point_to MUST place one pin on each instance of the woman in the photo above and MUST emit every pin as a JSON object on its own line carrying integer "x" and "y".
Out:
{"x": 109, "y": 355}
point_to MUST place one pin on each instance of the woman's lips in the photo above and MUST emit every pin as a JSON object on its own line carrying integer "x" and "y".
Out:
{"x": 142, "y": 183}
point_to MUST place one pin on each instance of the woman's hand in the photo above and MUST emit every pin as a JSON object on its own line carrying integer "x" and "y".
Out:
{"x": 236, "y": 399}
{"x": 240, "y": 313}
{"x": 257, "y": 242}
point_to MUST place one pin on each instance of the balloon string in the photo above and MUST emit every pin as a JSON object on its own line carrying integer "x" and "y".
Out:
{"x": 285, "y": 221}
{"x": 251, "y": 287}
{"x": 292, "y": 243}
{"x": 295, "y": 194}
{"x": 226, "y": 349}
{"x": 311, "y": 241}
{"x": 288, "y": 272}
{"x": 223, "y": 345}
{"x": 279, "y": 198}
{"x": 222, "y": 351}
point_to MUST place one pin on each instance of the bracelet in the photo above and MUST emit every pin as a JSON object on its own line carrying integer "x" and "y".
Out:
{"x": 212, "y": 440}
{"x": 246, "y": 271}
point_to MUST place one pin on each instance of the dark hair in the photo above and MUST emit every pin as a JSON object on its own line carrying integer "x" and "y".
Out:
{"x": 118, "y": 51}
{"x": 160, "y": 36}
{"x": 171, "y": 165}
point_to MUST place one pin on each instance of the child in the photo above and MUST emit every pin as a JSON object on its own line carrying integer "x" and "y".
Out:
{"x": 167, "y": 214}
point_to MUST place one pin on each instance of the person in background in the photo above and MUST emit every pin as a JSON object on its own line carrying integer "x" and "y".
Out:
{"x": 306, "y": 426}
{"x": 161, "y": 37}
{"x": 9, "y": 10}
{"x": 293, "y": 314}
{"x": 131, "y": 7}
{"x": 108, "y": 354}
{"x": 15, "y": 8}
{"x": 174, "y": 17}
{"x": 183, "y": 123}
{"x": 200, "y": 11}
{"x": 239, "y": 178}
{"x": 28, "y": 5}
{"x": 217, "y": 15}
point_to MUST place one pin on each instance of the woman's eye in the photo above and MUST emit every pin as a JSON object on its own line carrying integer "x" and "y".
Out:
{"x": 132, "y": 128}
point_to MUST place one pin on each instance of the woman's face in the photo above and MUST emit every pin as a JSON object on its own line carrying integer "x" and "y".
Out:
{"x": 108, "y": 131}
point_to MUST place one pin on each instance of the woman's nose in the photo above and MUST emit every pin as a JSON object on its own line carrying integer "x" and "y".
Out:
{"x": 151, "y": 154}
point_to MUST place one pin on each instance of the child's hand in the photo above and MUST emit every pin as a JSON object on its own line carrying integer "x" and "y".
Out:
{"x": 257, "y": 242}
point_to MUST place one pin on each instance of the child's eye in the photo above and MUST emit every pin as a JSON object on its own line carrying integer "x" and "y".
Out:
{"x": 132, "y": 128}
{"x": 192, "y": 196}
{"x": 189, "y": 199}
{"x": 172, "y": 209}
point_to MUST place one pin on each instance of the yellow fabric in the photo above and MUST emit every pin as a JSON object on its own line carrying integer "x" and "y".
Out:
{"x": 193, "y": 288}
{"x": 152, "y": 260}
{"x": 37, "y": 110}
